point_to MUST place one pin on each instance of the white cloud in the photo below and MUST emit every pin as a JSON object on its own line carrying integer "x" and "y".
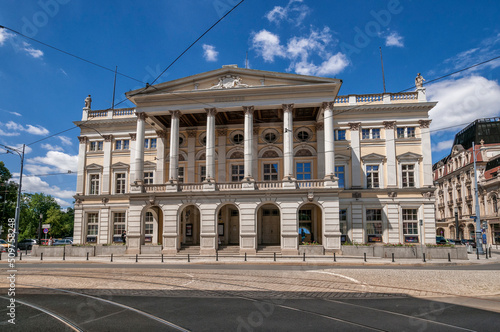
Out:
{"x": 62, "y": 71}
{"x": 463, "y": 100}
{"x": 62, "y": 161}
{"x": 19, "y": 147}
{"x": 209, "y": 53}
{"x": 4, "y": 133}
{"x": 14, "y": 126}
{"x": 294, "y": 12}
{"x": 15, "y": 113}
{"x": 485, "y": 50}
{"x": 34, "y": 184}
{"x": 65, "y": 140}
{"x": 52, "y": 147}
{"x": 31, "y": 51}
{"x": 443, "y": 145}
{"x": 34, "y": 130}
{"x": 268, "y": 45}
{"x": 4, "y": 35}
{"x": 394, "y": 39}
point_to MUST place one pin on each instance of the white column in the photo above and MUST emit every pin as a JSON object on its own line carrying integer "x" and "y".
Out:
{"x": 139, "y": 148}
{"x": 221, "y": 169}
{"x": 329, "y": 142}
{"x": 248, "y": 143}
{"x": 426, "y": 152}
{"x": 82, "y": 154}
{"x": 160, "y": 157}
{"x": 106, "y": 167}
{"x": 132, "y": 159}
{"x": 320, "y": 135}
{"x": 288, "y": 140}
{"x": 390, "y": 146}
{"x": 209, "y": 183}
{"x": 173, "y": 172}
{"x": 191, "y": 144}
{"x": 355, "y": 155}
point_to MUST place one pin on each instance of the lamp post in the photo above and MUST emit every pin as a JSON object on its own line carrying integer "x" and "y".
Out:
{"x": 456, "y": 224}
{"x": 479, "y": 240}
{"x": 40, "y": 229}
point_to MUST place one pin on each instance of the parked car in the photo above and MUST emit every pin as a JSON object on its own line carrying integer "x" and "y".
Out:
{"x": 4, "y": 243}
{"x": 470, "y": 242}
{"x": 62, "y": 242}
{"x": 442, "y": 240}
{"x": 450, "y": 241}
{"x": 26, "y": 244}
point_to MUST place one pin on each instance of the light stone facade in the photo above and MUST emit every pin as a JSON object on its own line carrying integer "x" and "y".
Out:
{"x": 249, "y": 158}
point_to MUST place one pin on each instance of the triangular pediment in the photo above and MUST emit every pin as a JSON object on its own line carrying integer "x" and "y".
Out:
{"x": 93, "y": 167}
{"x": 409, "y": 156}
{"x": 232, "y": 77}
{"x": 149, "y": 164}
{"x": 120, "y": 165}
{"x": 374, "y": 157}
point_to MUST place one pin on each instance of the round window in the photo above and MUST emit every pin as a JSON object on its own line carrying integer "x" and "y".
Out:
{"x": 204, "y": 140}
{"x": 181, "y": 140}
{"x": 238, "y": 139}
{"x": 270, "y": 137}
{"x": 303, "y": 135}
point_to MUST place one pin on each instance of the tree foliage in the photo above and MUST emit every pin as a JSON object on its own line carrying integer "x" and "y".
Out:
{"x": 8, "y": 196}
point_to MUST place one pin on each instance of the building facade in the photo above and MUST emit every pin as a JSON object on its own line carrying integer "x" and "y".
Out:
{"x": 455, "y": 183}
{"x": 252, "y": 158}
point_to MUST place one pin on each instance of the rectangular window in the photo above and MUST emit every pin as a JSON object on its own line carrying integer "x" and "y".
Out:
{"x": 270, "y": 172}
{"x": 408, "y": 172}
{"x": 180, "y": 175}
{"x": 203, "y": 173}
{"x": 148, "y": 227}
{"x": 303, "y": 171}
{"x": 94, "y": 184}
{"x": 373, "y": 133}
{"x": 96, "y": 146}
{"x": 374, "y": 225}
{"x": 410, "y": 225}
{"x": 343, "y": 225}
{"x": 340, "y": 173}
{"x": 120, "y": 183}
{"x": 305, "y": 215}
{"x": 372, "y": 176}
{"x": 365, "y": 133}
{"x": 340, "y": 135}
{"x": 92, "y": 227}
{"x": 400, "y": 132}
{"x": 150, "y": 143}
{"x": 405, "y": 132}
{"x": 237, "y": 173}
{"x": 122, "y": 144}
{"x": 410, "y": 131}
{"x": 148, "y": 178}
{"x": 118, "y": 226}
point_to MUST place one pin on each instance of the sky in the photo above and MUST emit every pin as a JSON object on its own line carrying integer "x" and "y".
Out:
{"x": 42, "y": 91}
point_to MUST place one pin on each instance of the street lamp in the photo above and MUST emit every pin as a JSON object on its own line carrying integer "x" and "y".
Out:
{"x": 456, "y": 224}
{"x": 479, "y": 240}
{"x": 40, "y": 229}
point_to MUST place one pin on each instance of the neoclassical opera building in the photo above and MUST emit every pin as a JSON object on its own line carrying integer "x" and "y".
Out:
{"x": 250, "y": 159}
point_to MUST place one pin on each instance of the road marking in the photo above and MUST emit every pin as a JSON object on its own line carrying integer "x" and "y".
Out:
{"x": 340, "y": 276}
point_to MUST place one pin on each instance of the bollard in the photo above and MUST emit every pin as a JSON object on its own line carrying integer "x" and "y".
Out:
{"x": 26, "y": 251}
{"x": 477, "y": 252}
{"x": 64, "y": 255}
{"x": 216, "y": 255}
{"x": 449, "y": 257}
{"x": 21, "y": 256}
{"x": 275, "y": 257}
{"x": 393, "y": 257}
{"x": 0, "y": 255}
{"x": 111, "y": 257}
{"x": 334, "y": 258}
{"x": 423, "y": 255}
{"x": 486, "y": 253}
{"x": 189, "y": 259}
{"x": 162, "y": 258}
{"x": 41, "y": 256}
{"x": 136, "y": 258}
{"x": 364, "y": 255}
{"x": 304, "y": 257}
{"x": 490, "y": 252}
{"x": 87, "y": 255}
{"x": 245, "y": 257}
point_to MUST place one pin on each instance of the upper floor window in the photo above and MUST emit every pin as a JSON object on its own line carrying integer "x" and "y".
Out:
{"x": 180, "y": 175}
{"x": 148, "y": 177}
{"x": 203, "y": 173}
{"x": 372, "y": 176}
{"x": 340, "y": 174}
{"x": 238, "y": 138}
{"x": 271, "y": 136}
{"x": 270, "y": 172}
{"x": 408, "y": 173}
{"x": 237, "y": 173}
{"x": 150, "y": 143}
{"x": 340, "y": 135}
{"x": 370, "y": 133}
{"x": 405, "y": 132}
{"x": 122, "y": 144}
{"x": 303, "y": 171}
{"x": 96, "y": 146}
{"x": 120, "y": 183}
{"x": 94, "y": 184}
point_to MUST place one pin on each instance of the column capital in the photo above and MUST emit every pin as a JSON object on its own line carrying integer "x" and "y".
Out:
{"x": 141, "y": 115}
{"x": 424, "y": 123}
{"x": 248, "y": 109}
{"x": 354, "y": 125}
{"x": 175, "y": 114}
{"x": 389, "y": 124}
{"x": 221, "y": 132}
{"x": 191, "y": 133}
{"x": 133, "y": 136}
{"x": 287, "y": 107}
{"x": 107, "y": 138}
{"x": 82, "y": 139}
{"x": 327, "y": 105}
{"x": 162, "y": 133}
{"x": 319, "y": 126}
{"x": 211, "y": 111}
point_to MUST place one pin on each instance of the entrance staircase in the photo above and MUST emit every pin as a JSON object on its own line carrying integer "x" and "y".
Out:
{"x": 268, "y": 251}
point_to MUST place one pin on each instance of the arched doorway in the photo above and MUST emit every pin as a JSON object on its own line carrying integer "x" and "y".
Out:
{"x": 152, "y": 226}
{"x": 228, "y": 225}
{"x": 471, "y": 231}
{"x": 268, "y": 225}
{"x": 189, "y": 226}
{"x": 440, "y": 232}
{"x": 310, "y": 224}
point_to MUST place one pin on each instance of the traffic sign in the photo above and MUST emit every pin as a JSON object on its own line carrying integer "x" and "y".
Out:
{"x": 46, "y": 226}
{"x": 45, "y": 230}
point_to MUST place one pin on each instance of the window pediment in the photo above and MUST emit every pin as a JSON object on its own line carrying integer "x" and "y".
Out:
{"x": 93, "y": 167}
{"x": 373, "y": 157}
{"x": 120, "y": 165}
{"x": 409, "y": 156}
{"x": 149, "y": 165}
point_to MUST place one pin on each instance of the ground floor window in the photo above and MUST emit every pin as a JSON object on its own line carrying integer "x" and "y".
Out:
{"x": 343, "y": 226}
{"x": 118, "y": 226}
{"x": 148, "y": 227}
{"x": 92, "y": 227}
{"x": 374, "y": 225}
{"x": 495, "y": 228}
{"x": 410, "y": 225}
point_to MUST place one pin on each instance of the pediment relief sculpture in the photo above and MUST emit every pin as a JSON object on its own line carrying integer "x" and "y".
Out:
{"x": 229, "y": 82}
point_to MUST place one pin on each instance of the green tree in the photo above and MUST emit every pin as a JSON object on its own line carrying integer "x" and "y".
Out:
{"x": 32, "y": 206}
{"x": 61, "y": 223}
{"x": 8, "y": 196}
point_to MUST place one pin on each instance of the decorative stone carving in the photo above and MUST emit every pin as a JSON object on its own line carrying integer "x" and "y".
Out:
{"x": 255, "y": 129}
{"x": 356, "y": 195}
{"x": 354, "y": 125}
{"x": 389, "y": 124}
{"x": 79, "y": 200}
{"x": 82, "y": 139}
{"x": 310, "y": 196}
{"x": 287, "y": 107}
{"x": 175, "y": 114}
{"x": 191, "y": 133}
{"x": 319, "y": 126}
{"x": 133, "y": 136}
{"x": 221, "y": 132}
{"x": 392, "y": 194}
{"x": 211, "y": 111}
{"x": 424, "y": 123}
{"x": 88, "y": 102}
{"x": 327, "y": 105}
{"x": 229, "y": 82}
{"x": 152, "y": 200}
{"x": 248, "y": 109}
{"x": 141, "y": 115}
{"x": 428, "y": 194}
{"x": 105, "y": 200}
{"x": 162, "y": 134}
{"x": 419, "y": 81}
{"x": 107, "y": 138}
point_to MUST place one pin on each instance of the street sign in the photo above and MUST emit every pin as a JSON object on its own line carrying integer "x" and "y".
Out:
{"x": 45, "y": 230}
{"x": 473, "y": 217}
{"x": 45, "y": 225}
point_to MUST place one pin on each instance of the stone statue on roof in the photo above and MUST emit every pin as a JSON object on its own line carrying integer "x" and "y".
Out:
{"x": 419, "y": 81}
{"x": 88, "y": 102}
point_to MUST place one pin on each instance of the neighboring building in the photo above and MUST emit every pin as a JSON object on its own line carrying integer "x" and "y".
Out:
{"x": 454, "y": 177}
{"x": 254, "y": 158}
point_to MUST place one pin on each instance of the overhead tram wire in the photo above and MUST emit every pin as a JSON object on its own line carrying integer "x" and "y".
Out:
{"x": 71, "y": 54}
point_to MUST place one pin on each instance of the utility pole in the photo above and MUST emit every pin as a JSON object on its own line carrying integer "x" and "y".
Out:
{"x": 479, "y": 240}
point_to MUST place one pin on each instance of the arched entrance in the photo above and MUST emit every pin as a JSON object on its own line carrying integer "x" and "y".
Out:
{"x": 189, "y": 226}
{"x": 471, "y": 231}
{"x": 152, "y": 226}
{"x": 310, "y": 224}
{"x": 228, "y": 225}
{"x": 440, "y": 232}
{"x": 268, "y": 225}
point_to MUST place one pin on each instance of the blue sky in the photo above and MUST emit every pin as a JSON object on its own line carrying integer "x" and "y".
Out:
{"x": 43, "y": 91}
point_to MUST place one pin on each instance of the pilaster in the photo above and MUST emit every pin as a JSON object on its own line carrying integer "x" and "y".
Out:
{"x": 355, "y": 155}
{"x": 82, "y": 155}
{"x": 426, "y": 152}
{"x": 106, "y": 167}
{"x": 390, "y": 146}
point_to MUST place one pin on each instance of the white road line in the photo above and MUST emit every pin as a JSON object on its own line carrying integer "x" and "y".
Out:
{"x": 340, "y": 276}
